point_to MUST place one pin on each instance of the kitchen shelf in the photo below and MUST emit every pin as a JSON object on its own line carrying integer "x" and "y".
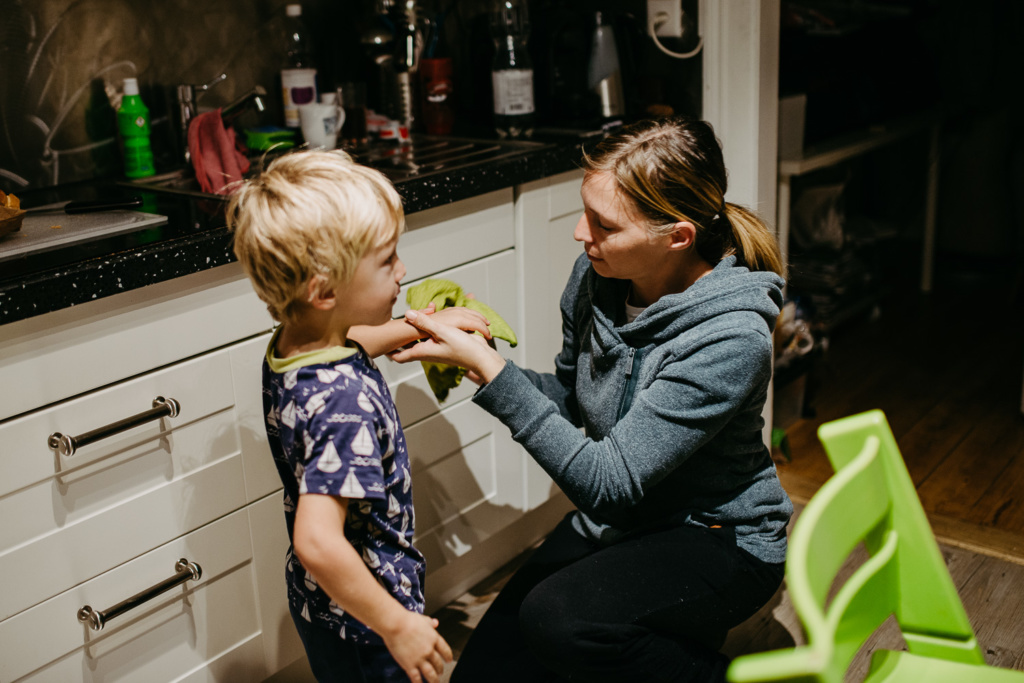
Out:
{"x": 848, "y": 146}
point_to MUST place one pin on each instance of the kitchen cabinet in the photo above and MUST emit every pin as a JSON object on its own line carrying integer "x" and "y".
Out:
{"x": 113, "y": 518}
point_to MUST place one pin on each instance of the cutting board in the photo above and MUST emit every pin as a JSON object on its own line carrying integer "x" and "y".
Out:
{"x": 55, "y": 229}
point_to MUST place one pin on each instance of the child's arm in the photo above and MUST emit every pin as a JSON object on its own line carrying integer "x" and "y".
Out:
{"x": 378, "y": 340}
{"x": 320, "y": 544}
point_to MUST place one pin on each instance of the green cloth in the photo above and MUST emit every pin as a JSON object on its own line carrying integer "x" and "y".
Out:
{"x": 445, "y": 294}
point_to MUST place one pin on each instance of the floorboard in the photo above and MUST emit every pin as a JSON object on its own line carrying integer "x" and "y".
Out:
{"x": 946, "y": 370}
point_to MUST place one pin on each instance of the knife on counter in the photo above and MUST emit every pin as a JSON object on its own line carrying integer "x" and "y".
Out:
{"x": 88, "y": 206}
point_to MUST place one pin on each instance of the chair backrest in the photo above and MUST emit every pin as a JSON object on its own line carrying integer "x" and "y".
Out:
{"x": 872, "y": 500}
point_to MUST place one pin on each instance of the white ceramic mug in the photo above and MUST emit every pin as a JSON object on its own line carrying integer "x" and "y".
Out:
{"x": 320, "y": 124}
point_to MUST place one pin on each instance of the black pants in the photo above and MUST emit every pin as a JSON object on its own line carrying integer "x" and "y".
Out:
{"x": 656, "y": 607}
{"x": 334, "y": 660}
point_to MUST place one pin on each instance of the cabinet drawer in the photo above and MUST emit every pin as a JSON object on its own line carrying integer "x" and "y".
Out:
{"x": 447, "y": 236}
{"x": 163, "y": 639}
{"x": 201, "y": 386}
{"x": 66, "y": 353}
{"x": 246, "y": 367}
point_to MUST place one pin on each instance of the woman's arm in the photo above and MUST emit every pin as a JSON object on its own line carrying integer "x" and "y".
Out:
{"x": 321, "y": 546}
{"x": 689, "y": 401}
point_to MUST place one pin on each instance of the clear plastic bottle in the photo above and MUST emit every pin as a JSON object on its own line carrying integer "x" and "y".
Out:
{"x": 133, "y": 124}
{"x": 603, "y": 74}
{"x": 298, "y": 77}
{"x": 512, "y": 70}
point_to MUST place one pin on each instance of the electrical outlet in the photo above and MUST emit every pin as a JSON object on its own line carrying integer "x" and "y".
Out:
{"x": 672, "y": 27}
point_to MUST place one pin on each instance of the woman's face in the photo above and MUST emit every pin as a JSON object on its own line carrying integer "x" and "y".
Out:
{"x": 614, "y": 236}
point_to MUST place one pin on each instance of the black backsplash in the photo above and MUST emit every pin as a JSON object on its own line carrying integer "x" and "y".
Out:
{"x": 64, "y": 61}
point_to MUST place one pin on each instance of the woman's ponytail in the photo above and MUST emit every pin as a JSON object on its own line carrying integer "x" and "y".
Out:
{"x": 756, "y": 246}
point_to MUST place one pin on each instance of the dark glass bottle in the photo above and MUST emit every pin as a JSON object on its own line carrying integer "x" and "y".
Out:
{"x": 512, "y": 70}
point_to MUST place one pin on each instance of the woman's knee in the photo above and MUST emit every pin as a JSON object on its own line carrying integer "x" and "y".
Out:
{"x": 551, "y": 630}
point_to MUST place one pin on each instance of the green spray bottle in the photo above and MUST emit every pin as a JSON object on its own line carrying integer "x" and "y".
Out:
{"x": 133, "y": 124}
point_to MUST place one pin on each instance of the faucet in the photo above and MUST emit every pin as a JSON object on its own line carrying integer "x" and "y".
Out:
{"x": 188, "y": 97}
{"x": 250, "y": 100}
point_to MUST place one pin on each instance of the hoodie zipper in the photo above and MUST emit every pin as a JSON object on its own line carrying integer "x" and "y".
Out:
{"x": 631, "y": 379}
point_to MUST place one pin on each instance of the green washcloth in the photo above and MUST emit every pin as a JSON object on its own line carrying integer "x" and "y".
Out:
{"x": 445, "y": 294}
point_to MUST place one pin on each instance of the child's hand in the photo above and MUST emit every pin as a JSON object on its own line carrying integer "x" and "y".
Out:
{"x": 418, "y": 648}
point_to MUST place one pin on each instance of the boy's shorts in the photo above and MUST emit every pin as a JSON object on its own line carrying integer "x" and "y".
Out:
{"x": 334, "y": 660}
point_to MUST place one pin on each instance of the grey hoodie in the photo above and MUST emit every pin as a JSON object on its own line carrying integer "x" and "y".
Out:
{"x": 670, "y": 404}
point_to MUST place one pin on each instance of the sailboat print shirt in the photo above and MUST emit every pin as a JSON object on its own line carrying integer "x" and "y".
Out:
{"x": 333, "y": 430}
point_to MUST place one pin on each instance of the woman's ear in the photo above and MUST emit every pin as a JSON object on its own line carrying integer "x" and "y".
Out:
{"x": 320, "y": 294}
{"x": 682, "y": 236}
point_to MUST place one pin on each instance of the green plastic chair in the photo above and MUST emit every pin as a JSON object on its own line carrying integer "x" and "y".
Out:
{"x": 871, "y": 499}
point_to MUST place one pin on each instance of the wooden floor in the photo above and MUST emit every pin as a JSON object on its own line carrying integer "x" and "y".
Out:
{"x": 947, "y": 370}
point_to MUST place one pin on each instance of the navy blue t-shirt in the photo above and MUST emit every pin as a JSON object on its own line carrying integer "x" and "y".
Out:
{"x": 334, "y": 430}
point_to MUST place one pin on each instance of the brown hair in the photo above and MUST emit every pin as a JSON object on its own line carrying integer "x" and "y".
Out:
{"x": 672, "y": 169}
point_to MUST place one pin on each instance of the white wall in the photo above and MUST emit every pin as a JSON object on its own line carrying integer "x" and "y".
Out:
{"x": 741, "y": 101}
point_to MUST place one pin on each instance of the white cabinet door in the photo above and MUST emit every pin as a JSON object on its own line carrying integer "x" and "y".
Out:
{"x": 444, "y": 237}
{"x": 247, "y": 379}
{"x": 547, "y": 212}
{"x": 281, "y": 644}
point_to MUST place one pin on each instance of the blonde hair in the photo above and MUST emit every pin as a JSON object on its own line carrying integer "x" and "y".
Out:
{"x": 310, "y": 213}
{"x": 672, "y": 170}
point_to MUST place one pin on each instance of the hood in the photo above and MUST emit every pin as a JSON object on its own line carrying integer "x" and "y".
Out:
{"x": 727, "y": 288}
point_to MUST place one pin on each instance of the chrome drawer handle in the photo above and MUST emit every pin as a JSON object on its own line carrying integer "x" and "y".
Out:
{"x": 67, "y": 445}
{"x": 183, "y": 571}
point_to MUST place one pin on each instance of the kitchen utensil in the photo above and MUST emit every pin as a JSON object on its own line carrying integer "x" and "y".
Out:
{"x": 91, "y": 206}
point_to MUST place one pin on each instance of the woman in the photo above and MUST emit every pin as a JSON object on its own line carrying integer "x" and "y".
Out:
{"x": 680, "y": 528}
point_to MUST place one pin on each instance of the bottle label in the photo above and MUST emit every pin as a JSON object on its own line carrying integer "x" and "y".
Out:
{"x": 298, "y": 87}
{"x": 513, "y": 91}
{"x": 138, "y": 157}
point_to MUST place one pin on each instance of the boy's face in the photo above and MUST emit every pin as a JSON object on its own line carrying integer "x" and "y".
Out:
{"x": 371, "y": 293}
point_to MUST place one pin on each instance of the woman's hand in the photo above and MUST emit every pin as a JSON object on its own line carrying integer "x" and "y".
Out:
{"x": 460, "y": 317}
{"x": 418, "y": 648}
{"x": 450, "y": 345}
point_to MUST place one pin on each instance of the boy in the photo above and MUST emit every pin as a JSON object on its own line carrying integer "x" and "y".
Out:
{"x": 317, "y": 235}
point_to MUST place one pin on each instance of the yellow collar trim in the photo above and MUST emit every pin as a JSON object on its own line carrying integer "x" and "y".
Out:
{"x": 330, "y": 354}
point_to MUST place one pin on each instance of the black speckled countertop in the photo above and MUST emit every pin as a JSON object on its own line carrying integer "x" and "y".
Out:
{"x": 195, "y": 238}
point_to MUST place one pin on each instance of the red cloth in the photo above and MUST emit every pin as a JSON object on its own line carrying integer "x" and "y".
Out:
{"x": 217, "y": 156}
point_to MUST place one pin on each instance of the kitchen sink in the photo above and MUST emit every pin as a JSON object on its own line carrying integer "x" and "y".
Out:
{"x": 422, "y": 156}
